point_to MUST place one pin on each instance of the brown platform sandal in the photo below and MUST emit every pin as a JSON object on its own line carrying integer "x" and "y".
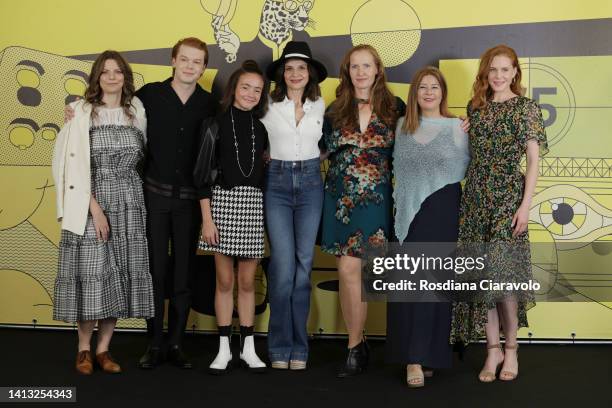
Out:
{"x": 488, "y": 376}
{"x": 506, "y": 375}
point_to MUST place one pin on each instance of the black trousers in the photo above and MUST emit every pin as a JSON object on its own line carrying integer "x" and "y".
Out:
{"x": 173, "y": 227}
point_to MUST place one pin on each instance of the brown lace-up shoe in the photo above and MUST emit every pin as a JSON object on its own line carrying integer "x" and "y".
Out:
{"x": 106, "y": 362}
{"x": 84, "y": 363}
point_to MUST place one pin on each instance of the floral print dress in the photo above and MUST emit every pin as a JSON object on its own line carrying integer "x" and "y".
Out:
{"x": 493, "y": 193}
{"x": 357, "y": 207}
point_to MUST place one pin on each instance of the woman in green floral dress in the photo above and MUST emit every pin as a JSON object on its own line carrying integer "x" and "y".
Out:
{"x": 357, "y": 207}
{"x": 495, "y": 206}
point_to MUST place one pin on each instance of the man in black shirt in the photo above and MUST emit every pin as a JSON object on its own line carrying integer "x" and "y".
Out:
{"x": 175, "y": 109}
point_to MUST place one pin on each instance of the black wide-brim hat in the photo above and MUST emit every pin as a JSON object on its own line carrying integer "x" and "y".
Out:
{"x": 300, "y": 50}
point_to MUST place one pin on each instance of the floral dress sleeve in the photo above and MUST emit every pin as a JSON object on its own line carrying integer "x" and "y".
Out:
{"x": 531, "y": 127}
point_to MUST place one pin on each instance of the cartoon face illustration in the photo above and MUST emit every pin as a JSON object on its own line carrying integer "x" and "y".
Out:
{"x": 35, "y": 87}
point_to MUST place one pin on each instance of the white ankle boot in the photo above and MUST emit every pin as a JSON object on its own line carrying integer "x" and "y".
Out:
{"x": 249, "y": 357}
{"x": 223, "y": 362}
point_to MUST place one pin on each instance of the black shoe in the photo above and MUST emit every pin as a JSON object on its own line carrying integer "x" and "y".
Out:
{"x": 150, "y": 359}
{"x": 356, "y": 361}
{"x": 178, "y": 358}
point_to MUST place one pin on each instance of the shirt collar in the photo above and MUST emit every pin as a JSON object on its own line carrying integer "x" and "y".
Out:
{"x": 307, "y": 106}
{"x": 167, "y": 85}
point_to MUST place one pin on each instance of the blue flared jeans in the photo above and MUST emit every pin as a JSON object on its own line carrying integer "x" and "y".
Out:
{"x": 293, "y": 202}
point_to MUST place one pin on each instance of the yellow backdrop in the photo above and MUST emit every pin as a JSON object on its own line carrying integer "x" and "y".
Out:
{"x": 566, "y": 56}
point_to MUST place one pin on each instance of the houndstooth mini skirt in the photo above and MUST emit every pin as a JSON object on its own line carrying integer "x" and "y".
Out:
{"x": 239, "y": 217}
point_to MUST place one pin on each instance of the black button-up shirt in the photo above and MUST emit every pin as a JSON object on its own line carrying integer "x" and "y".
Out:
{"x": 173, "y": 136}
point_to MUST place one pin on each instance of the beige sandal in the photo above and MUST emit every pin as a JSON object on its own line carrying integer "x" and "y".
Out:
{"x": 410, "y": 379}
{"x": 280, "y": 365}
{"x": 488, "y": 376}
{"x": 506, "y": 375}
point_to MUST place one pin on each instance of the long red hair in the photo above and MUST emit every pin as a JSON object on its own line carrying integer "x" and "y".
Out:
{"x": 481, "y": 90}
{"x": 413, "y": 110}
{"x": 344, "y": 112}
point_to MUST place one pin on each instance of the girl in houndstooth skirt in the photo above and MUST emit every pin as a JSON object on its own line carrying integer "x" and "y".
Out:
{"x": 229, "y": 175}
{"x": 103, "y": 261}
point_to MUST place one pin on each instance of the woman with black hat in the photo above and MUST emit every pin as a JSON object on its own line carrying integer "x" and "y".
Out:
{"x": 293, "y": 198}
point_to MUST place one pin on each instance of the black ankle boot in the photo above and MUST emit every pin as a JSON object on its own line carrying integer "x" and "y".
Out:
{"x": 356, "y": 360}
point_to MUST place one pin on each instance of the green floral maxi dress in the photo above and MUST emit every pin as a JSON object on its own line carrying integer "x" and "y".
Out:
{"x": 493, "y": 193}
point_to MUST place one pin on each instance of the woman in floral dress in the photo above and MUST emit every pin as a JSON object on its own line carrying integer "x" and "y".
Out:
{"x": 357, "y": 209}
{"x": 495, "y": 206}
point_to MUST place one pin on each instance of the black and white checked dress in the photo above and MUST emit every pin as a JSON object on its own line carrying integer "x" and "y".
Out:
{"x": 98, "y": 280}
{"x": 239, "y": 217}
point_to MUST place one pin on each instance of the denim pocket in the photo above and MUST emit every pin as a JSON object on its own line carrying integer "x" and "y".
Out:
{"x": 274, "y": 179}
{"x": 312, "y": 179}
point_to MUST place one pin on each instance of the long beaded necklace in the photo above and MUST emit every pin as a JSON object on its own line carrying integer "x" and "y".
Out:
{"x": 236, "y": 144}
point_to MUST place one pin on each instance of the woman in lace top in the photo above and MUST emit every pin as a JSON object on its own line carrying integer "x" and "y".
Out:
{"x": 430, "y": 157}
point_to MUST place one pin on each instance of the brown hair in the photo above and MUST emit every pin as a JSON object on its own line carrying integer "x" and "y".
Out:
{"x": 191, "y": 42}
{"x": 344, "y": 112}
{"x": 94, "y": 93}
{"x": 248, "y": 67}
{"x": 481, "y": 91}
{"x": 413, "y": 110}
{"x": 312, "y": 90}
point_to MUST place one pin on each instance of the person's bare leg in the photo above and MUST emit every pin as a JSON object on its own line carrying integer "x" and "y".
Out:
{"x": 494, "y": 355}
{"x": 510, "y": 327}
{"x": 224, "y": 291}
{"x": 106, "y": 328}
{"x": 343, "y": 295}
{"x": 246, "y": 312}
{"x": 85, "y": 330}
{"x": 224, "y": 311}
{"x": 354, "y": 310}
{"x": 246, "y": 290}
{"x": 84, "y": 362}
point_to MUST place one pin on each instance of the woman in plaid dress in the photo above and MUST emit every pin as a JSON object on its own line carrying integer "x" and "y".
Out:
{"x": 103, "y": 269}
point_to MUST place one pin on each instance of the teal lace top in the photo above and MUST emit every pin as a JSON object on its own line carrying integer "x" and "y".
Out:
{"x": 436, "y": 154}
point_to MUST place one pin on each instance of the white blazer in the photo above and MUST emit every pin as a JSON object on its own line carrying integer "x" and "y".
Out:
{"x": 71, "y": 166}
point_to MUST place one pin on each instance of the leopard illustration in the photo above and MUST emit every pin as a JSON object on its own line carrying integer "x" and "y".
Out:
{"x": 280, "y": 17}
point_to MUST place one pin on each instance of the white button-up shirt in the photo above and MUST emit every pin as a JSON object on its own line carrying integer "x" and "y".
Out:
{"x": 291, "y": 142}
